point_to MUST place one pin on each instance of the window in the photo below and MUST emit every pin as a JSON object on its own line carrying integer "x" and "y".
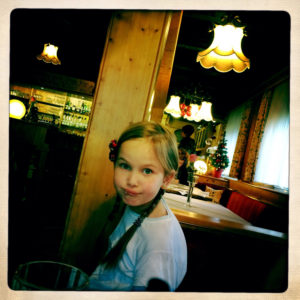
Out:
{"x": 272, "y": 164}
{"x": 232, "y": 130}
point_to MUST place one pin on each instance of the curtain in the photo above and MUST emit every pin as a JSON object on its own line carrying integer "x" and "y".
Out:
{"x": 241, "y": 143}
{"x": 232, "y": 130}
{"x": 272, "y": 164}
{"x": 256, "y": 137}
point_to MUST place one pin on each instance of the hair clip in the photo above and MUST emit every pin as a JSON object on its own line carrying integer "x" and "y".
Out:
{"x": 113, "y": 150}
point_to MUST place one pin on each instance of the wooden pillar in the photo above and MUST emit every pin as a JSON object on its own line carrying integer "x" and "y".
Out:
{"x": 127, "y": 77}
{"x": 164, "y": 76}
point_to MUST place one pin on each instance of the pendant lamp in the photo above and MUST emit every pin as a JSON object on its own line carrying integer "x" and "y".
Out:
{"x": 193, "y": 113}
{"x": 49, "y": 54}
{"x": 204, "y": 112}
{"x": 173, "y": 108}
{"x": 225, "y": 53}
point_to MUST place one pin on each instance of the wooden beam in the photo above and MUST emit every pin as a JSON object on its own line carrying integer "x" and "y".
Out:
{"x": 127, "y": 77}
{"x": 164, "y": 76}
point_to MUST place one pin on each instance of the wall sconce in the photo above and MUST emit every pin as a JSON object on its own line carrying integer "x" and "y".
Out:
{"x": 173, "y": 108}
{"x": 49, "y": 54}
{"x": 225, "y": 53}
{"x": 17, "y": 109}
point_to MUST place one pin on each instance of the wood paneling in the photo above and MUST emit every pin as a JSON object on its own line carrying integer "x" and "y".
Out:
{"x": 213, "y": 180}
{"x": 128, "y": 71}
{"x": 268, "y": 196}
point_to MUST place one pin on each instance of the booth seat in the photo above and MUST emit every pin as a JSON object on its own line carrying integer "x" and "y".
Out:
{"x": 257, "y": 212}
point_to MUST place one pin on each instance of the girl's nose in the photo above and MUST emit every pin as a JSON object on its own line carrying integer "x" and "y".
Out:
{"x": 132, "y": 179}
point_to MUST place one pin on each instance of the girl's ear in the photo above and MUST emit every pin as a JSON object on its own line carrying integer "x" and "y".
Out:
{"x": 168, "y": 178}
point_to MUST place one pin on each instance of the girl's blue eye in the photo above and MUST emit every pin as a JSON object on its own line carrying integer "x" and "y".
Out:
{"x": 147, "y": 171}
{"x": 124, "y": 166}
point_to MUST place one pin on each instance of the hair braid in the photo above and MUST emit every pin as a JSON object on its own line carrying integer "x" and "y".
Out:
{"x": 113, "y": 219}
{"x": 113, "y": 256}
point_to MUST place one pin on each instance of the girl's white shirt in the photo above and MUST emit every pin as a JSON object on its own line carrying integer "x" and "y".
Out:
{"x": 157, "y": 250}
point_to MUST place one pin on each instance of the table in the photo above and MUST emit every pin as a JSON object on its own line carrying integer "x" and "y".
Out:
{"x": 210, "y": 209}
{"x": 213, "y": 216}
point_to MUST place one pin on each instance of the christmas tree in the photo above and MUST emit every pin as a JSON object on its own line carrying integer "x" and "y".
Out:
{"x": 219, "y": 159}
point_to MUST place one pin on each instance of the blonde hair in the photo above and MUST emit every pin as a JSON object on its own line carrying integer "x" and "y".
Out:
{"x": 164, "y": 142}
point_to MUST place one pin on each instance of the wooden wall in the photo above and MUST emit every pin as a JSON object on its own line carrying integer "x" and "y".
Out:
{"x": 127, "y": 79}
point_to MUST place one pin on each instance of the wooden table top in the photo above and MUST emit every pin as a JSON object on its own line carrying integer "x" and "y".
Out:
{"x": 206, "y": 208}
{"x": 212, "y": 216}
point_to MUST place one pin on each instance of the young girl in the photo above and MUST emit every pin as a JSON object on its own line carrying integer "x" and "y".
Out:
{"x": 148, "y": 243}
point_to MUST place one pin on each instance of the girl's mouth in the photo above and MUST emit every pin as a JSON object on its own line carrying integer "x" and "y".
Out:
{"x": 130, "y": 193}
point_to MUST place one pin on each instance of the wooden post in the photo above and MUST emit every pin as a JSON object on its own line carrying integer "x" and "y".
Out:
{"x": 164, "y": 76}
{"x": 127, "y": 77}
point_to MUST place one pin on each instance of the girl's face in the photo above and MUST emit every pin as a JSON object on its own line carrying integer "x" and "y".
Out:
{"x": 138, "y": 173}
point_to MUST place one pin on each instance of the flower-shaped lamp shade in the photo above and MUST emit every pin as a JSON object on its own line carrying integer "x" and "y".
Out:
{"x": 49, "y": 54}
{"x": 200, "y": 166}
{"x": 204, "y": 113}
{"x": 17, "y": 109}
{"x": 225, "y": 53}
{"x": 194, "y": 109}
{"x": 173, "y": 107}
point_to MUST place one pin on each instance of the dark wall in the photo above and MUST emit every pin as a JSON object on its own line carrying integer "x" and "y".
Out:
{"x": 42, "y": 170}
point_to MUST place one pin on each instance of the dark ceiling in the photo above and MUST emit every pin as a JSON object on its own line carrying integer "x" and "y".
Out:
{"x": 80, "y": 35}
{"x": 267, "y": 45}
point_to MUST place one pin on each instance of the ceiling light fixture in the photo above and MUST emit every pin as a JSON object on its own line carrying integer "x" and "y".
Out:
{"x": 204, "y": 113}
{"x": 49, "y": 54}
{"x": 173, "y": 108}
{"x": 225, "y": 53}
{"x": 191, "y": 112}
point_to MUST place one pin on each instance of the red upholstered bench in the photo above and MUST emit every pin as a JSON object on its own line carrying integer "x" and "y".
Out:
{"x": 244, "y": 206}
{"x": 254, "y": 211}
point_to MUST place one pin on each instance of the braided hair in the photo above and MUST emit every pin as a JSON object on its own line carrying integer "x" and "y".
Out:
{"x": 111, "y": 258}
{"x": 166, "y": 149}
